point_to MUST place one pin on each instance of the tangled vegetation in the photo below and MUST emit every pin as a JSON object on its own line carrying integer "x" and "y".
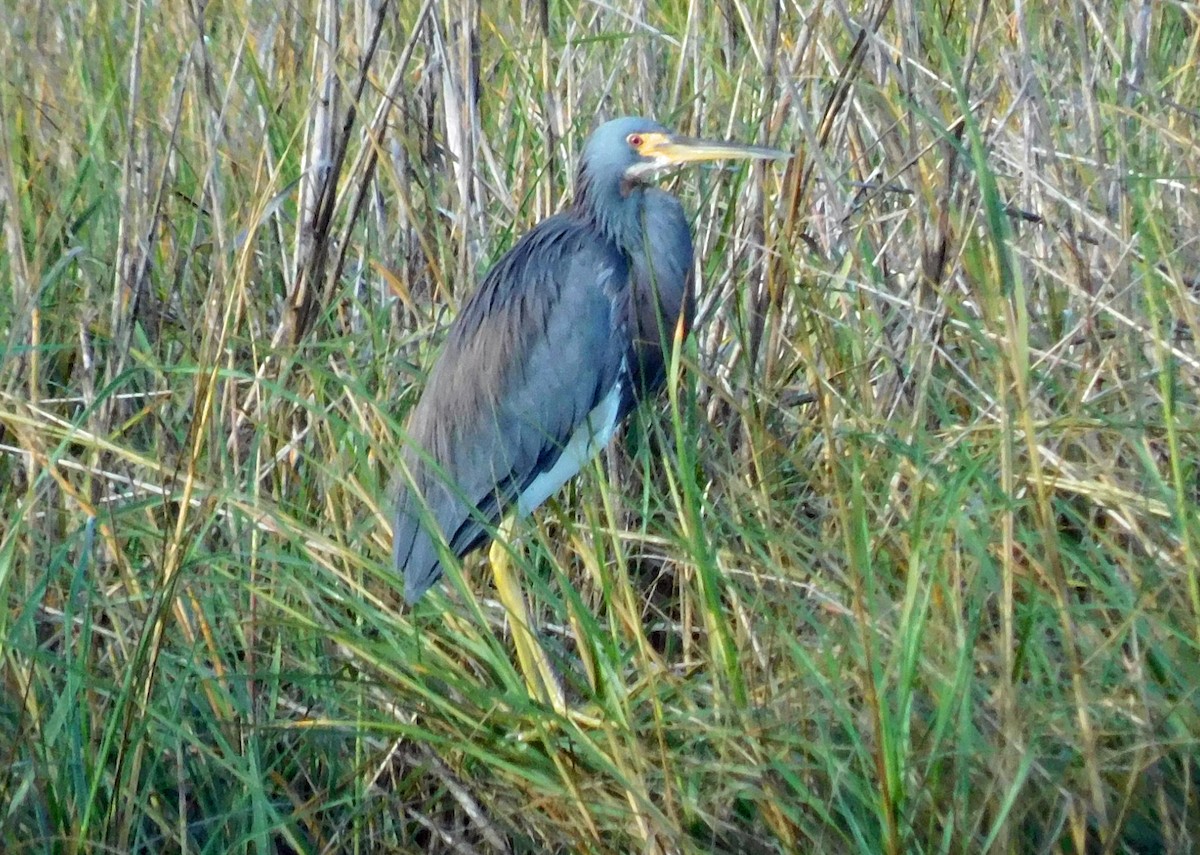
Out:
{"x": 907, "y": 559}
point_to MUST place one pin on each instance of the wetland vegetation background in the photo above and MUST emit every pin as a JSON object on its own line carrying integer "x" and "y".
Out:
{"x": 907, "y": 559}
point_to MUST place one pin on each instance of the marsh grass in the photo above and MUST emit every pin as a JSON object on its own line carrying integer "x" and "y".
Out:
{"x": 904, "y": 560}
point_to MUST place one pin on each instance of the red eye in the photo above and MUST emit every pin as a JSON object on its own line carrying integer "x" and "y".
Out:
{"x": 635, "y": 140}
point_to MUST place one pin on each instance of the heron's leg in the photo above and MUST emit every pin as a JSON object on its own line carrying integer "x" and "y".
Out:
{"x": 535, "y": 667}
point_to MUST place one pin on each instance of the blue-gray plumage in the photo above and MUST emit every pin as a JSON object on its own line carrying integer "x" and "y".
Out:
{"x": 567, "y": 332}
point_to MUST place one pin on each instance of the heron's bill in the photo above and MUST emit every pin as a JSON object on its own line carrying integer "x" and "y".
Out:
{"x": 680, "y": 149}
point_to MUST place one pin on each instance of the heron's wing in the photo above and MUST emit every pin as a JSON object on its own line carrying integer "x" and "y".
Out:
{"x": 532, "y": 353}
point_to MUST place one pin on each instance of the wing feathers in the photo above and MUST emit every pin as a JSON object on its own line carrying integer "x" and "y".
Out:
{"x": 529, "y": 357}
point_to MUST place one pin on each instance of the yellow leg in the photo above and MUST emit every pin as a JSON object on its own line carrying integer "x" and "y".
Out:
{"x": 535, "y": 667}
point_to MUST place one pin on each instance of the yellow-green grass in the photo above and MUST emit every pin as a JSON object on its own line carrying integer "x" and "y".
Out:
{"x": 904, "y": 560}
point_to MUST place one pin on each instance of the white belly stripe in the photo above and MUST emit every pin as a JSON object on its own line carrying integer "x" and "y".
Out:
{"x": 592, "y": 435}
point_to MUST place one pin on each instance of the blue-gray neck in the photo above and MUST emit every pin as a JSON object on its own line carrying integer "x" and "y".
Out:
{"x": 613, "y": 204}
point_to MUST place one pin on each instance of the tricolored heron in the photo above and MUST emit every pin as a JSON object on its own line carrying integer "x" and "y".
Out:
{"x": 567, "y": 332}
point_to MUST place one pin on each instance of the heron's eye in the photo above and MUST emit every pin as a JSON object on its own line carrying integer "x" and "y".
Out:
{"x": 635, "y": 140}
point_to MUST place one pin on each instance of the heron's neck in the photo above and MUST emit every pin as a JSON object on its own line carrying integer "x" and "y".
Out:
{"x": 615, "y": 206}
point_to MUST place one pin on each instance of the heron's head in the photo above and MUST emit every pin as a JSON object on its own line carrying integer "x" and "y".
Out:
{"x": 633, "y": 150}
